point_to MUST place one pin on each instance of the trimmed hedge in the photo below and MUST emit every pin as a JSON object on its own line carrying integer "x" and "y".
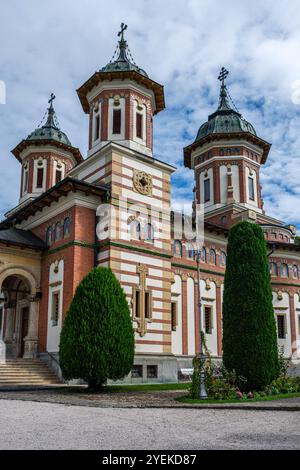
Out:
{"x": 249, "y": 329}
{"x": 97, "y": 338}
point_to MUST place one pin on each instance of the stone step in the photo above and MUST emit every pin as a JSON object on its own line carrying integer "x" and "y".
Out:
{"x": 26, "y": 372}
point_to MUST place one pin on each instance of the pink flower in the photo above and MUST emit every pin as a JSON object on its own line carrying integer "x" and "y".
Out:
{"x": 250, "y": 395}
{"x": 239, "y": 394}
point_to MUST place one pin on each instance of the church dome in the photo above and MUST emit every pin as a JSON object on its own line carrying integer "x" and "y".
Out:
{"x": 122, "y": 62}
{"x": 226, "y": 119}
{"x": 50, "y": 130}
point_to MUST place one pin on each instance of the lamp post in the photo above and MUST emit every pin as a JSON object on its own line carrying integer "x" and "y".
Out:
{"x": 202, "y": 389}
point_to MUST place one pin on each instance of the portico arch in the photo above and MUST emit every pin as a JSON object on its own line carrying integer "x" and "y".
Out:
{"x": 19, "y": 287}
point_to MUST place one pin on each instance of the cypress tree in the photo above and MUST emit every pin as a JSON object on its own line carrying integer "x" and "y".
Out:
{"x": 97, "y": 339}
{"x": 249, "y": 329}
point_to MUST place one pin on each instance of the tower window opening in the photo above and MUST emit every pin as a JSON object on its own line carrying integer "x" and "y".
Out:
{"x": 55, "y": 308}
{"x": 251, "y": 188}
{"x": 116, "y": 121}
{"x": 58, "y": 175}
{"x": 40, "y": 178}
{"x": 97, "y": 127}
{"x": 207, "y": 190}
{"x": 174, "y": 315}
{"x": 139, "y": 125}
{"x": 25, "y": 180}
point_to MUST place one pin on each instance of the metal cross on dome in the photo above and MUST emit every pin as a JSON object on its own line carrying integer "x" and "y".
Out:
{"x": 223, "y": 75}
{"x": 121, "y": 33}
{"x": 52, "y": 98}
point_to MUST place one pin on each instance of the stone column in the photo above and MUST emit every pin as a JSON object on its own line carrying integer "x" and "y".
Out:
{"x": 31, "y": 340}
{"x": 9, "y": 325}
{"x": 9, "y": 332}
{"x": 293, "y": 324}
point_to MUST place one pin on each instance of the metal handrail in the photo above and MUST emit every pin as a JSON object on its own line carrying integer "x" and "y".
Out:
{"x": 47, "y": 352}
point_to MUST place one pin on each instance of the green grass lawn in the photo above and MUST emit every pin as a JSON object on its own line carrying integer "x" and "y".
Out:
{"x": 128, "y": 388}
{"x": 189, "y": 400}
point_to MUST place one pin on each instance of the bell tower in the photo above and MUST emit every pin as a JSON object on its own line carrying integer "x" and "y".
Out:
{"x": 46, "y": 156}
{"x": 121, "y": 101}
{"x": 226, "y": 156}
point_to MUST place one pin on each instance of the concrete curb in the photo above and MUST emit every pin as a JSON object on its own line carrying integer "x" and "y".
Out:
{"x": 246, "y": 407}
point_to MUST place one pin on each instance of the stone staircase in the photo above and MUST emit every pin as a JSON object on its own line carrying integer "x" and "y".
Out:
{"x": 16, "y": 372}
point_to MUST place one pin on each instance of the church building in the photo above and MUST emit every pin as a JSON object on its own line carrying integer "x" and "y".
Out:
{"x": 112, "y": 207}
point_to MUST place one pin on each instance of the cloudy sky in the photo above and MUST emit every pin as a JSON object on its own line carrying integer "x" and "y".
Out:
{"x": 56, "y": 46}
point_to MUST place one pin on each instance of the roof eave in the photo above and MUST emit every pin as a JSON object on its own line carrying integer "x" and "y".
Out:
{"x": 53, "y": 194}
{"x": 25, "y": 143}
{"x": 187, "y": 151}
{"x": 99, "y": 76}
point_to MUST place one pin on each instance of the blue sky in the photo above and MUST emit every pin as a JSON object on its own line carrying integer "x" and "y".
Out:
{"x": 56, "y": 46}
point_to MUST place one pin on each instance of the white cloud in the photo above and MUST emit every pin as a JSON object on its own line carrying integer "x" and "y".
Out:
{"x": 56, "y": 46}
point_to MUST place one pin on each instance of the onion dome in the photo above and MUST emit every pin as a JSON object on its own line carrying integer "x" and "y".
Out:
{"x": 50, "y": 130}
{"x": 225, "y": 123}
{"x": 225, "y": 119}
{"x": 48, "y": 134}
{"x": 122, "y": 63}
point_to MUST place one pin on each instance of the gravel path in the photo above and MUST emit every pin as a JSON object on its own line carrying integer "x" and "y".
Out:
{"x": 32, "y": 425}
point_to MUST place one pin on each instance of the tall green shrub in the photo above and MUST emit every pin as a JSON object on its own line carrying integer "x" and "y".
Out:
{"x": 97, "y": 339}
{"x": 249, "y": 329}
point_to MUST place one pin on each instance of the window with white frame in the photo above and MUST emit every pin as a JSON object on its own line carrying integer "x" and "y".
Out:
{"x": 281, "y": 326}
{"x": 208, "y": 319}
{"x": 96, "y": 124}
{"x": 55, "y": 308}
{"x": 25, "y": 178}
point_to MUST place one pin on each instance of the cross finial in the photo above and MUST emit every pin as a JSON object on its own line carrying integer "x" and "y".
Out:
{"x": 223, "y": 75}
{"x": 121, "y": 33}
{"x": 52, "y": 98}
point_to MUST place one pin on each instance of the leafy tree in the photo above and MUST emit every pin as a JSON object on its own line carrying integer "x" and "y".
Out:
{"x": 297, "y": 240}
{"x": 249, "y": 329}
{"x": 97, "y": 339}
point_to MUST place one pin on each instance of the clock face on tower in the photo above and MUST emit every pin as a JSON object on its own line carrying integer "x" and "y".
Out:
{"x": 142, "y": 182}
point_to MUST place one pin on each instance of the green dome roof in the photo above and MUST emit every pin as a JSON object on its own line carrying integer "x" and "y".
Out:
{"x": 225, "y": 120}
{"x": 122, "y": 63}
{"x": 50, "y": 130}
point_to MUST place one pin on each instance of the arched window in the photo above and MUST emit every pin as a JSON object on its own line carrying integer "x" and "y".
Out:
{"x": 203, "y": 255}
{"x": 190, "y": 250}
{"x": 273, "y": 269}
{"x": 177, "y": 248}
{"x": 295, "y": 272}
{"x": 58, "y": 234}
{"x": 149, "y": 232}
{"x": 67, "y": 227}
{"x": 212, "y": 256}
{"x": 223, "y": 258}
{"x": 284, "y": 270}
{"x": 49, "y": 236}
{"x": 135, "y": 230}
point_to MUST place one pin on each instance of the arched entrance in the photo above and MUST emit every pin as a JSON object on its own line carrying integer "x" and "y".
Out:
{"x": 20, "y": 311}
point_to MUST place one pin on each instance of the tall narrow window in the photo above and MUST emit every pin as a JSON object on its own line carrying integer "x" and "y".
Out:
{"x": 40, "y": 178}
{"x": 137, "y": 304}
{"x": 251, "y": 188}
{"x": 280, "y": 327}
{"x": 208, "y": 320}
{"x": 55, "y": 308}
{"x": 58, "y": 175}
{"x": 139, "y": 125}
{"x": 174, "y": 316}
{"x": 207, "y": 190}
{"x": 97, "y": 127}
{"x": 116, "y": 121}
{"x": 25, "y": 180}
{"x": 67, "y": 227}
{"x": 148, "y": 302}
